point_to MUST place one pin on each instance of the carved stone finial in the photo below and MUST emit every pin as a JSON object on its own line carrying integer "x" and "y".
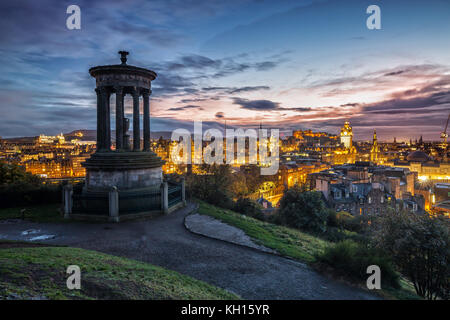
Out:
{"x": 123, "y": 56}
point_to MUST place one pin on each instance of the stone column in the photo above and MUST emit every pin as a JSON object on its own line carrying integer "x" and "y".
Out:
{"x": 99, "y": 119}
{"x": 67, "y": 197}
{"x": 113, "y": 204}
{"x": 146, "y": 120}
{"x": 136, "y": 126}
{"x": 119, "y": 118}
{"x": 107, "y": 104}
{"x": 165, "y": 197}
{"x": 183, "y": 190}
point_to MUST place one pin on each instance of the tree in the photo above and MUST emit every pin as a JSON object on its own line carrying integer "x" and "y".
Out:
{"x": 238, "y": 187}
{"x": 15, "y": 174}
{"x": 253, "y": 178}
{"x": 303, "y": 210}
{"x": 212, "y": 185}
{"x": 419, "y": 246}
{"x": 18, "y": 187}
{"x": 249, "y": 208}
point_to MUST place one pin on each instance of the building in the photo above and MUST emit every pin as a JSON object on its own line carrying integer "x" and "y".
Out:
{"x": 425, "y": 167}
{"x": 347, "y": 135}
{"x": 375, "y": 150}
{"x": 42, "y": 139}
{"x": 365, "y": 188}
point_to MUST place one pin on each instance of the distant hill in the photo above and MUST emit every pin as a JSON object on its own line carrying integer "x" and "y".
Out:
{"x": 90, "y": 135}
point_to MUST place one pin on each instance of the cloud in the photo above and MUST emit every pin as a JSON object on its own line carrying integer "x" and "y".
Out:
{"x": 259, "y": 105}
{"x": 185, "y": 108}
{"x": 299, "y": 109}
{"x": 265, "y": 65}
{"x": 193, "y": 62}
{"x": 248, "y": 89}
{"x": 394, "y": 73}
{"x": 234, "y": 90}
{"x": 421, "y": 79}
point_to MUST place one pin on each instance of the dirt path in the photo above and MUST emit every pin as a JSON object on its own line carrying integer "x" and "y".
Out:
{"x": 165, "y": 241}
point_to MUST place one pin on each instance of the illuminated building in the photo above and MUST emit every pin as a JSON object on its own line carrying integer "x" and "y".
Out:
{"x": 42, "y": 139}
{"x": 347, "y": 135}
{"x": 425, "y": 167}
{"x": 375, "y": 150}
{"x": 364, "y": 188}
{"x": 292, "y": 173}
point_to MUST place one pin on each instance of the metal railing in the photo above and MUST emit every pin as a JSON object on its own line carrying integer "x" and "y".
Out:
{"x": 90, "y": 204}
{"x": 130, "y": 203}
{"x": 174, "y": 194}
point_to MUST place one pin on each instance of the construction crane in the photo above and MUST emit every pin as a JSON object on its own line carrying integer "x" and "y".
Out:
{"x": 444, "y": 134}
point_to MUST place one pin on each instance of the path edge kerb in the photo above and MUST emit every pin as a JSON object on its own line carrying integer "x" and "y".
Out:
{"x": 275, "y": 253}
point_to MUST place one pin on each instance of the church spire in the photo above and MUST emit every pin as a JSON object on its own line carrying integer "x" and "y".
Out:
{"x": 374, "y": 152}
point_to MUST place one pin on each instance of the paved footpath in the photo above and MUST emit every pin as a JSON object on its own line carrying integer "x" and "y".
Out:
{"x": 166, "y": 242}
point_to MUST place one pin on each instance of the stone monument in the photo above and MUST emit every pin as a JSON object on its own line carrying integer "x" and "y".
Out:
{"x": 130, "y": 172}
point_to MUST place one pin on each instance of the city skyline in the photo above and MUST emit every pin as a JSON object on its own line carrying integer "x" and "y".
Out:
{"x": 246, "y": 62}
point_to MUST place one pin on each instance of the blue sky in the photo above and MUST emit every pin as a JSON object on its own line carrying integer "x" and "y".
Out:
{"x": 288, "y": 64}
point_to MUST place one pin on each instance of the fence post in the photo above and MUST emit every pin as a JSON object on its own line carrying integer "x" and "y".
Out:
{"x": 165, "y": 197}
{"x": 114, "y": 205}
{"x": 67, "y": 198}
{"x": 183, "y": 190}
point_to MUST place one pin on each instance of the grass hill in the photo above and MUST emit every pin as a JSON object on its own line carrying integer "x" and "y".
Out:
{"x": 39, "y": 272}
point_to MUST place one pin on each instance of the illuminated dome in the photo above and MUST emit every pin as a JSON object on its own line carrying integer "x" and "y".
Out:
{"x": 418, "y": 156}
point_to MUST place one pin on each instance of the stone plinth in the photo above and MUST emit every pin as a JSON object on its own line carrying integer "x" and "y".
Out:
{"x": 124, "y": 170}
{"x": 123, "y": 179}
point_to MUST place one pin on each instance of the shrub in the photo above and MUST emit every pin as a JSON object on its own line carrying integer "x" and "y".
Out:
{"x": 211, "y": 185}
{"x": 332, "y": 220}
{"x": 334, "y": 234}
{"x": 419, "y": 245}
{"x": 344, "y": 220}
{"x": 24, "y": 194}
{"x": 248, "y": 208}
{"x": 15, "y": 174}
{"x": 303, "y": 210}
{"x": 351, "y": 259}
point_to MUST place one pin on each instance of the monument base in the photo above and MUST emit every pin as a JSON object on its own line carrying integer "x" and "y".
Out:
{"x": 119, "y": 184}
{"x": 124, "y": 170}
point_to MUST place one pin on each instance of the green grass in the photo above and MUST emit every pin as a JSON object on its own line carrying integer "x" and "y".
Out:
{"x": 27, "y": 273}
{"x": 406, "y": 291}
{"x": 37, "y": 213}
{"x": 291, "y": 243}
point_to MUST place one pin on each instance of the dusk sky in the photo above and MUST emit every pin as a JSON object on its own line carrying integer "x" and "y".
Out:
{"x": 302, "y": 64}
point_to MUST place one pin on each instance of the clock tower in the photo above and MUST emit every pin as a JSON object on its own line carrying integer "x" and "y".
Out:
{"x": 347, "y": 135}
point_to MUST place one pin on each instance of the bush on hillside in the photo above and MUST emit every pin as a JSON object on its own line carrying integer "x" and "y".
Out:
{"x": 351, "y": 259}
{"x": 303, "y": 210}
{"x": 419, "y": 245}
{"x": 25, "y": 194}
{"x": 249, "y": 208}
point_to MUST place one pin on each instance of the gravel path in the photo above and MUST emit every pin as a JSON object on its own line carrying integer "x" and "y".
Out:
{"x": 212, "y": 228}
{"x": 166, "y": 242}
